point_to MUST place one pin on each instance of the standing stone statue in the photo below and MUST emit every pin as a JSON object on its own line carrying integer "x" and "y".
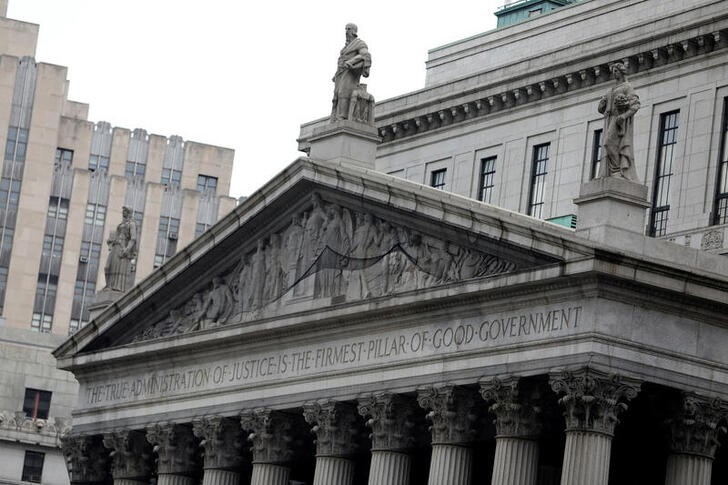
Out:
{"x": 354, "y": 62}
{"x": 122, "y": 250}
{"x": 619, "y": 106}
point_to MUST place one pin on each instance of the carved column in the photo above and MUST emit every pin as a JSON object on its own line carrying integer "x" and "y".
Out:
{"x": 517, "y": 429}
{"x": 694, "y": 440}
{"x": 335, "y": 426}
{"x": 86, "y": 459}
{"x": 592, "y": 401}
{"x": 131, "y": 457}
{"x": 451, "y": 410}
{"x": 271, "y": 436}
{"x": 175, "y": 447}
{"x": 221, "y": 440}
{"x": 391, "y": 421}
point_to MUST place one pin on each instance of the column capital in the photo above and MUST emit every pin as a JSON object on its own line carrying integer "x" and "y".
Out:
{"x": 451, "y": 411}
{"x": 86, "y": 458}
{"x": 175, "y": 447}
{"x": 516, "y": 413}
{"x": 131, "y": 455}
{"x": 592, "y": 399}
{"x": 391, "y": 419}
{"x": 335, "y": 426}
{"x": 271, "y": 435}
{"x": 695, "y": 428}
{"x": 221, "y": 439}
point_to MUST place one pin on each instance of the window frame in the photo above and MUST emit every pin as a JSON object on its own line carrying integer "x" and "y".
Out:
{"x": 537, "y": 185}
{"x": 659, "y": 214}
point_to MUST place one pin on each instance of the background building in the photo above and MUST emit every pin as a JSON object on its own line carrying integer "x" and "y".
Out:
{"x": 64, "y": 182}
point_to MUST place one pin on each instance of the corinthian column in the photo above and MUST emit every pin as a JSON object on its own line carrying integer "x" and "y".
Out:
{"x": 86, "y": 459}
{"x": 221, "y": 439}
{"x": 131, "y": 457}
{"x": 694, "y": 440}
{"x": 517, "y": 428}
{"x": 592, "y": 401}
{"x": 391, "y": 418}
{"x": 336, "y": 429}
{"x": 271, "y": 434}
{"x": 175, "y": 447}
{"x": 451, "y": 410}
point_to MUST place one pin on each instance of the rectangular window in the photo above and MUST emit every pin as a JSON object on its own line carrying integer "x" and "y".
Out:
{"x": 206, "y": 183}
{"x": 437, "y": 178}
{"x": 63, "y": 155}
{"x": 201, "y": 227}
{"x": 33, "y": 466}
{"x": 58, "y": 208}
{"x": 538, "y": 180}
{"x": 171, "y": 176}
{"x": 663, "y": 173}
{"x": 98, "y": 162}
{"x": 95, "y": 214}
{"x": 16, "y": 144}
{"x": 135, "y": 170}
{"x": 596, "y": 153}
{"x": 166, "y": 240}
{"x": 37, "y": 403}
{"x": 487, "y": 174}
{"x": 720, "y": 206}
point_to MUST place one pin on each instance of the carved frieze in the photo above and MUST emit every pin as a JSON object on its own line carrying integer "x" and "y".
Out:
{"x": 86, "y": 458}
{"x": 515, "y": 408}
{"x": 336, "y": 426}
{"x": 712, "y": 239}
{"x": 391, "y": 419}
{"x": 592, "y": 400}
{"x": 272, "y": 435}
{"x": 696, "y": 427}
{"x": 175, "y": 447}
{"x": 452, "y": 411}
{"x": 221, "y": 441}
{"x": 131, "y": 455}
{"x": 327, "y": 251}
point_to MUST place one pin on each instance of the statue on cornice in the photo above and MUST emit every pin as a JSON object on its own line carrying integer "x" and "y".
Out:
{"x": 354, "y": 62}
{"x": 122, "y": 250}
{"x": 619, "y": 106}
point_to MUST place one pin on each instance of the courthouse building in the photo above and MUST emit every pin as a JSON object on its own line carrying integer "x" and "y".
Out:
{"x": 458, "y": 293}
{"x": 64, "y": 183}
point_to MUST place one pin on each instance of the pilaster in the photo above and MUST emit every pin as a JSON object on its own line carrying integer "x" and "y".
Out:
{"x": 221, "y": 440}
{"x": 271, "y": 435}
{"x": 86, "y": 459}
{"x": 131, "y": 456}
{"x": 176, "y": 449}
{"x": 336, "y": 429}
{"x": 592, "y": 401}
{"x": 452, "y": 413}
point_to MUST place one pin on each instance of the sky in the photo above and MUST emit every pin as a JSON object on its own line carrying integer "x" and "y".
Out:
{"x": 243, "y": 75}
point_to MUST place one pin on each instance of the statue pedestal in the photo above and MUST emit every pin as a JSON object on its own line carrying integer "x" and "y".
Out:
{"x": 611, "y": 201}
{"x": 102, "y": 300}
{"x": 345, "y": 140}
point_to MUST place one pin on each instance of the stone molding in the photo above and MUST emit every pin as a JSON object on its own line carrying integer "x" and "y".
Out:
{"x": 221, "y": 440}
{"x": 592, "y": 399}
{"x": 175, "y": 447}
{"x": 87, "y": 460}
{"x": 131, "y": 454}
{"x": 516, "y": 415}
{"x": 336, "y": 427}
{"x": 271, "y": 434}
{"x": 452, "y": 413}
{"x": 391, "y": 419}
{"x": 696, "y": 427}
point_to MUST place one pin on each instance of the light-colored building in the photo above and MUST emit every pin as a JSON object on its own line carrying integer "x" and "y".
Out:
{"x": 405, "y": 301}
{"x": 64, "y": 183}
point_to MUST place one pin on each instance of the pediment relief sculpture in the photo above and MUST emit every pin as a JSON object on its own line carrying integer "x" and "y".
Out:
{"x": 329, "y": 253}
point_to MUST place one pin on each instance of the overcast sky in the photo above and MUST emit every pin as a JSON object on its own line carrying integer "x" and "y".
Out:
{"x": 243, "y": 75}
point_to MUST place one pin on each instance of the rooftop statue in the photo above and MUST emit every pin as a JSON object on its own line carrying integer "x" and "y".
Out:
{"x": 122, "y": 250}
{"x": 349, "y": 95}
{"x": 619, "y": 106}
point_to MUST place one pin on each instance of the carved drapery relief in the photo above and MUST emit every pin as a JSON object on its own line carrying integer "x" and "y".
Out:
{"x": 86, "y": 458}
{"x": 452, "y": 413}
{"x": 131, "y": 455}
{"x": 391, "y": 419}
{"x": 335, "y": 425}
{"x": 696, "y": 428}
{"x": 592, "y": 400}
{"x": 515, "y": 407}
{"x": 271, "y": 435}
{"x": 327, "y": 251}
{"x": 221, "y": 440}
{"x": 175, "y": 447}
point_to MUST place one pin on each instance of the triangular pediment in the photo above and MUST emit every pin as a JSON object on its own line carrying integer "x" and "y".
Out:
{"x": 317, "y": 236}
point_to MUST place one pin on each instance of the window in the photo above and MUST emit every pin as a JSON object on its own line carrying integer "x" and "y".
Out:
{"x": 37, "y": 403}
{"x": 171, "y": 176}
{"x": 166, "y": 239}
{"x": 95, "y": 214}
{"x": 135, "y": 170}
{"x": 16, "y": 144}
{"x": 33, "y": 466}
{"x": 596, "y": 153}
{"x": 73, "y": 326}
{"x": 720, "y": 206}
{"x": 201, "y": 227}
{"x": 534, "y": 12}
{"x": 63, "y": 155}
{"x": 58, "y": 208}
{"x": 206, "y": 183}
{"x": 437, "y": 179}
{"x": 663, "y": 173}
{"x": 98, "y": 162}
{"x": 538, "y": 180}
{"x": 487, "y": 173}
